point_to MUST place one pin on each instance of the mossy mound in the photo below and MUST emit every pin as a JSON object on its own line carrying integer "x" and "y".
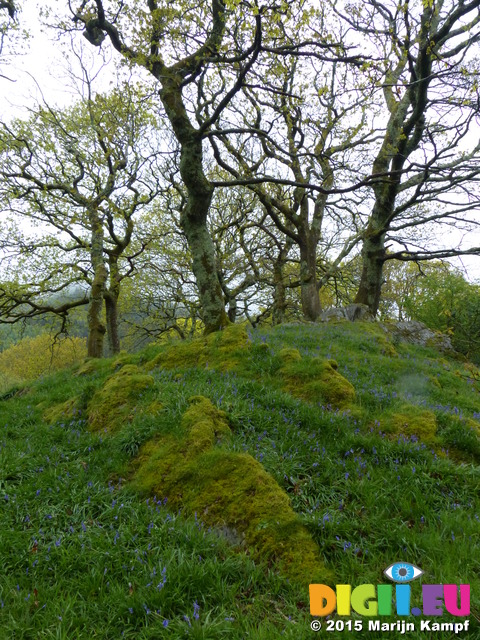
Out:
{"x": 63, "y": 411}
{"x": 317, "y": 380}
{"x": 289, "y": 354}
{"x": 411, "y": 421}
{"x": 89, "y": 366}
{"x": 216, "y": 351}
{"x": 114, "y": 402}
{"x": 228, "y": 490}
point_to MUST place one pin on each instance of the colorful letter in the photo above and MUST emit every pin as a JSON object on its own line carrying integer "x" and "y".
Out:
{"x": 318, "y": 594}
{"x": 402, "y": 596}
{"x": 384, "y": 595}
{"x": 432, "y": 598}
{"x": 451, "y": 602}
{"x": 343, "y": 599}
{"x": 363, "y": 600}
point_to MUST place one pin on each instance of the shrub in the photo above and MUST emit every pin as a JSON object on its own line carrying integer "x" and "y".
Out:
{"x": 32, "y": 357}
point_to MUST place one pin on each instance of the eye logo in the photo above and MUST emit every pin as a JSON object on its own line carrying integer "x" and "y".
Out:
{"x": 402, "y": 572}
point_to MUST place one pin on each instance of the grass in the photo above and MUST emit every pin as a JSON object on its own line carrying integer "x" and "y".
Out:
{"x": 84, "y": 555}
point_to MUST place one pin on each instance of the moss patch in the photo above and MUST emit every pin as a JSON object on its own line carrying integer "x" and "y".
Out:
{"x": 91, "y": 365}
{"x": 289, "y": 354}
{"x": 116, "y": 400}
{"x": 63, "y": 411}
{"x": 317, "y": 380}
{"x": 228, "y": 490}
{"x": 219, "y": 350}
{"x": 411, "y": 421}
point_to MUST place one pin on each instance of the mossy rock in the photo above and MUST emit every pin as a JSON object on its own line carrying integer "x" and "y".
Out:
{"x": 317, "y": 380}
{"x": 125, "y": 358}
{"x": 228, "y": 490}
{"x": 289, "y": 354}
{"x": 115, "y": 402}
{"x": 181, "y": 355}
{"x": 89, "y": 366}
{"x": 411, "y": 421}
{"x": 63, "y": 411}
{"x": 217, "y": 351}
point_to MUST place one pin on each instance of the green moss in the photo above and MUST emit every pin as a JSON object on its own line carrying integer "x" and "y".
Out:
{"x": 63, "y": 411}
{"x": 115, "y": 401}
{"x": 317, "y": 380}
{"x": 228, "y": 490}
{"x": 289, "y": 354}
{"x": 381, "y": 338}
{"x": 93, "y": 365}
{"x": 219, "y": 350}
{"x": 181, "y": 355}
{"x": 411, "y": 420}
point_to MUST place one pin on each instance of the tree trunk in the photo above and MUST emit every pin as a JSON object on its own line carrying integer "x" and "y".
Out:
{"x": 311, "y": 307}
{"x": 111, "y": 305}
{"x": 373, "y": 258}
{"x": 111, "y": 312}
{"x": 279, "y": 298}
{"x": 279, "y": 292}
{"x": 201, "y": 246}
{"x": 194, "y": 215}
{"x": 96, "y": 327}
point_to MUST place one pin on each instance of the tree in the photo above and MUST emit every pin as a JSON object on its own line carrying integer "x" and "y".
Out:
{"x": 82, "y": 174}
{"x": 8, "y": 26}
{"x": 299, "y": 123}
{"x": 440, "y": 296}
{"x": 425, "y": 169}
{"x": 196, "y": 41}
{"x": 201, "y": 66}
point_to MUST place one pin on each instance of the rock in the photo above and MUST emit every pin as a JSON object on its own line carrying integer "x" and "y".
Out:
{"x": 415, "y": 332}
{"x": 351, "y": 312}
{"x": 332, "y": 314}
{"x": 358, "y": 312}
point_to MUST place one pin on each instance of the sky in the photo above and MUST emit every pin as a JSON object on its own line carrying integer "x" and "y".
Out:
{"x": 39, "y": 71}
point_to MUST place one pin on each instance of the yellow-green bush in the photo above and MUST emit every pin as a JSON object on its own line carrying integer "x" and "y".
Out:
{"x": 32, "y": 357}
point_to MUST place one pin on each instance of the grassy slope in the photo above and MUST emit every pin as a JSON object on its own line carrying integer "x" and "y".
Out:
{"x": 392, "y": 476}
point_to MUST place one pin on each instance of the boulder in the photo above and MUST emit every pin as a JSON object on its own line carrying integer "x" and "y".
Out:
{"x": 351, "y": 312}
{"x": 416, "y": 332}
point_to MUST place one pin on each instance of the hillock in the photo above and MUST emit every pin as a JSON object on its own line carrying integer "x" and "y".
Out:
{"x": 195, "y": 489}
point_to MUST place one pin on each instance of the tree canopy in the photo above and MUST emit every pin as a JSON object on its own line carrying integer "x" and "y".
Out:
{"x": 258, "y": 162}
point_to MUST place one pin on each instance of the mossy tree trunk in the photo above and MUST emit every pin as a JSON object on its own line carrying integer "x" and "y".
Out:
{"x": 311, "y": 307}
{"x": 193, "y": 218}
{"x": 173, "y": 79}
{"x": 96, "y": 326}
{"x": 279, "y": 291}
{"x": 111, "y": 297}
{"x": 371, "y": 280}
